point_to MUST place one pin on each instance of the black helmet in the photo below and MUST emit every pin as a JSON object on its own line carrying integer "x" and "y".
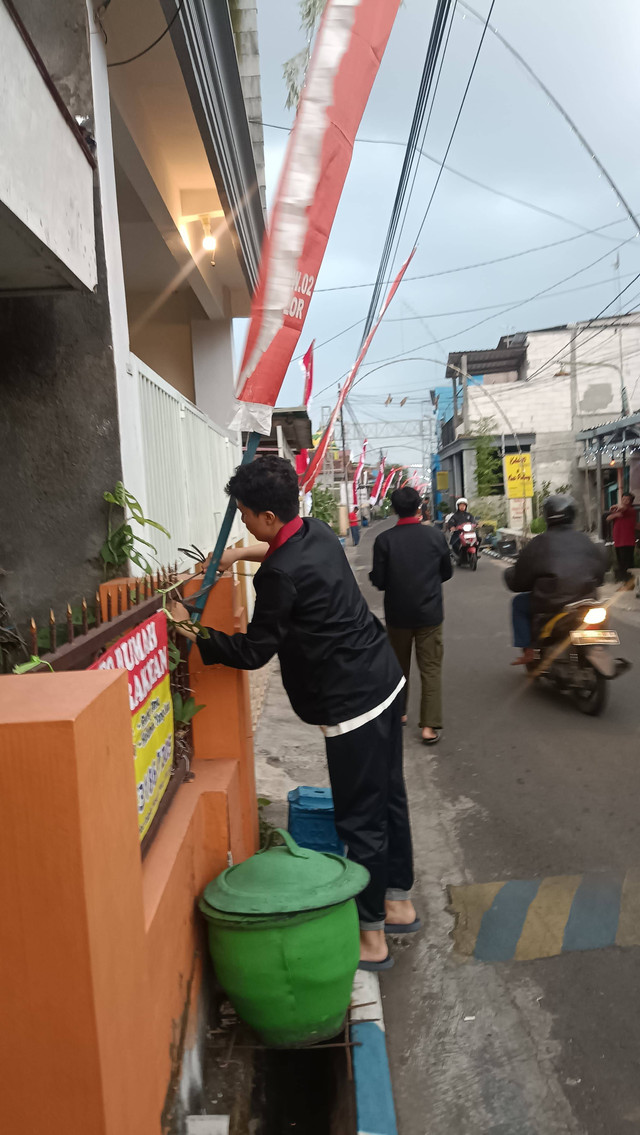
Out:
{"x": 559, "y": 510}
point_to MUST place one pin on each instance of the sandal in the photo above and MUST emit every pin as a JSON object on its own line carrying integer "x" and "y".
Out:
{"x": 376, "y": 967}
{"x": 431, "y": 740}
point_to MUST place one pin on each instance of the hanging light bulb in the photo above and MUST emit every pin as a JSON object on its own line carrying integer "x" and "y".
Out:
{"x": 209, "y": 242}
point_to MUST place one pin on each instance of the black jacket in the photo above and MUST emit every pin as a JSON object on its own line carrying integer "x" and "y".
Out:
{"x": 334, "y": 655}
{"x": 410, "y": 563}
{"x": 561, "y": 566}
{"x": 460, "y": 517}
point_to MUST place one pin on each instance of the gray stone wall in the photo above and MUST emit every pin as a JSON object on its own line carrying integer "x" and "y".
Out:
{"x": 59, "y": 435}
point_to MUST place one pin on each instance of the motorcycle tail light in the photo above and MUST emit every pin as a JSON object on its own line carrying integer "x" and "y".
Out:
{"x": 595, "y": 615}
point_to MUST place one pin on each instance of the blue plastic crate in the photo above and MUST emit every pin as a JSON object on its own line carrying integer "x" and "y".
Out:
{"x": 311, "y": 821}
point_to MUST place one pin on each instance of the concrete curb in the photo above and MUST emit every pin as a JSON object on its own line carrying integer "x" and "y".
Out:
{"x": 376, "y": 1113}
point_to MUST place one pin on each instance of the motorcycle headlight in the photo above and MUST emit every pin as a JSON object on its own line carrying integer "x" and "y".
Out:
{"x": 595, "y": 615}
{"x": 467, "y": 527}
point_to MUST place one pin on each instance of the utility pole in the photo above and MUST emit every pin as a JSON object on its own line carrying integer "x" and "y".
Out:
{"x": 454, "y": 380}
{"x": 624, "y": 402}
{"x": 345, "y": 467}
{"x": 465, "y": 396}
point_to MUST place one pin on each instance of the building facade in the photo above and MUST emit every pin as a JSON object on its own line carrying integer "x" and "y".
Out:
{"x": 131, "y": 223}
{"x": 535, "y": 391}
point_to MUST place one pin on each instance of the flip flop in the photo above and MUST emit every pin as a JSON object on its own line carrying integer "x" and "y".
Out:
{"x": 376, "y": 967}
{"x": 402, "y": 927}
{"x": 431, "y": 740}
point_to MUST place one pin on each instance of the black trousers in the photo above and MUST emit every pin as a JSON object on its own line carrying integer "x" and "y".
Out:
{"x": 371, "y": 810}
{"x": 625, "y": 558}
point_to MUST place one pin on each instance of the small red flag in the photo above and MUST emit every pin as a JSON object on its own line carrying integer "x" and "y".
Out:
{"x": 307, "y": 366}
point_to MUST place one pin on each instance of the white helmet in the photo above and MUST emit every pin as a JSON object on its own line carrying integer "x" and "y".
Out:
{"x": 461, "y": 500}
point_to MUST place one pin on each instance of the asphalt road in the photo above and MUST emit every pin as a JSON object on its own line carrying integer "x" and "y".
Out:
{"x": 521, "y": 788}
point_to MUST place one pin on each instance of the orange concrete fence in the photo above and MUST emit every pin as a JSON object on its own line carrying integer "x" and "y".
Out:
{"x": 102, "y": 954}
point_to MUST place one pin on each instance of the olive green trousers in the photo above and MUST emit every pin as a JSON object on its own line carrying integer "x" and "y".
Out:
{"x": 429, "y": 652}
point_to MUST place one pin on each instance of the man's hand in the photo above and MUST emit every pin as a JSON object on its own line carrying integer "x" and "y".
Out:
{"x": 177, "y": 613}
{"x": 227, "y": 560}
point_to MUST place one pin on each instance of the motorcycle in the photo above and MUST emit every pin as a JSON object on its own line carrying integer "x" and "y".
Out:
{"x": 465, "y": 551}
{"x": 573, "y": 653}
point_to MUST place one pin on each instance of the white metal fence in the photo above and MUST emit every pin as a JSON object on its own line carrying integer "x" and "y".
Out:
{"x": 187, "y": 461}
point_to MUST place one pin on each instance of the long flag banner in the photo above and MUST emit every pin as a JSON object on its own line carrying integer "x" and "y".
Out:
{"x": 319, "y": 453}
{"x": 375, "y": 492}
{"x": 348, "y": 48}
{"x": 347, "y": 52}
{"x": 359, "y": 469}
{"x": 387, "y": 484}
{"x": 307, "y": 366}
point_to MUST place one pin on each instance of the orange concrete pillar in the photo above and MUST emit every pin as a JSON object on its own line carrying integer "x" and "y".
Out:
{"x": 223, "y": 727}
{"x": 76, "y": 1048}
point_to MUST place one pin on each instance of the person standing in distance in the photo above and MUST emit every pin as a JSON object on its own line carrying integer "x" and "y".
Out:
{"x": 411, "y": 561}
{"x": 339, "y": 673}
{"x": 625, "y": 525}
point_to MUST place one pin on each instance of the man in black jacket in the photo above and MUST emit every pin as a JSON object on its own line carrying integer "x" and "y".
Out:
{"x": 340, "y": 673}
{"x": 561, "y": 566}
{"x": 410, "y": 563}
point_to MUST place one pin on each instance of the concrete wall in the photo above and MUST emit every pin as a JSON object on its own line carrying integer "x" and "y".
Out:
{"x": 161, "y": 337}
{"x": 59, "y": 439}
{"x": 46, "y": 179}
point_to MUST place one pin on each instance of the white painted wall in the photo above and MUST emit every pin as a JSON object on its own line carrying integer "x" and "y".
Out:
{"x": 133, "y": 470}
{"x": 213, "y": 368}
{"x": 46, "y": 181}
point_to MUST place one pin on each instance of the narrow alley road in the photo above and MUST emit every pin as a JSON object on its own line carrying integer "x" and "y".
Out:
{"x": 530, "y": 814}
{"x": 521, "y": 787}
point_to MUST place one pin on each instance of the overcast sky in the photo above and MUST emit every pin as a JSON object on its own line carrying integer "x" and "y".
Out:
{"x": 509, "y": 137}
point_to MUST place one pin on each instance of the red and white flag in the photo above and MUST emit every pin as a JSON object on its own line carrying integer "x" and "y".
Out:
{"x": 348, "y": 48}
{"x": 377, "y": 485}
{"x": 307, "y": 366}
{"x": 359, "y": 472}
{"x": 319, "y": 453}
{"x": 387, "y": 483}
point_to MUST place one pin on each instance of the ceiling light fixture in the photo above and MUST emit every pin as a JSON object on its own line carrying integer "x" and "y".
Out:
{"x": 209, "y": 242}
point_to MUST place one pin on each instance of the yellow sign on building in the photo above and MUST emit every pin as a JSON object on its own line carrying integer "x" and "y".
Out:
{"x": 442, "y": 482}
{"x": 518, "y": 479}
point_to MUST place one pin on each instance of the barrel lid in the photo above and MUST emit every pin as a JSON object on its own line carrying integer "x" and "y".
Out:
{"x": 286, "y": 879}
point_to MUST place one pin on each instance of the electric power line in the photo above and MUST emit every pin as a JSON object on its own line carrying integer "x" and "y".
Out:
{"x": 132, "y": 58}
{"x": 558, "y": 105}
{"x": 465, "y": 177}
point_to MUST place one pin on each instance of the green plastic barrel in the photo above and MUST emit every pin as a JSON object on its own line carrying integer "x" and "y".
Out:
{"x": 284, "y": 940}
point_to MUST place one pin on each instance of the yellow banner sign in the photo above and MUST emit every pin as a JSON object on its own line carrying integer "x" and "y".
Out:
{"x": 518, "y": 478}
{"x": 442, "y": 482}
{"x": 143, "y": 652}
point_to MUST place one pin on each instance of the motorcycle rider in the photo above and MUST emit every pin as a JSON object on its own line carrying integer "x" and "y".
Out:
{"x": 457, "y": 519}
{"x": 558, "y": 567}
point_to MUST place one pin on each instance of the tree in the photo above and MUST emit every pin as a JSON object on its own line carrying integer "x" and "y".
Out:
{"x": 489, "y": 481}
{"x": 295, "y": 68}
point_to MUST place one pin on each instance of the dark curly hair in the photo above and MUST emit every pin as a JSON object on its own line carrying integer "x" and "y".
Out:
{"x": 406, "y": 501}
{"x": 268, "y": 484}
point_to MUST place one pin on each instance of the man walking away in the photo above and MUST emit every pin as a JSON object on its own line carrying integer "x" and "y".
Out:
{"x": 410, "y": 563}
{"x": 625, "y": 524}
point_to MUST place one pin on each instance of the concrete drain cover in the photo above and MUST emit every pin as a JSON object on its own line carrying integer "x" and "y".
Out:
{"x": 208, "y": 1124}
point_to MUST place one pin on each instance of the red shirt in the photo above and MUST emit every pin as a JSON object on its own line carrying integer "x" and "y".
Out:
{"x": 624, "y": 528}
{"x": 353, "y": 519}
{"x": 285, "y": 533}
{"x": 409, "y": 520}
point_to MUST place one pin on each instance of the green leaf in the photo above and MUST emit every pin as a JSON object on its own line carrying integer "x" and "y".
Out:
{"x": 174, "y": 657}
{"x": 34, "y": 661}
{"x": 263, "y": 801}
{"x": 154, "y": 524}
